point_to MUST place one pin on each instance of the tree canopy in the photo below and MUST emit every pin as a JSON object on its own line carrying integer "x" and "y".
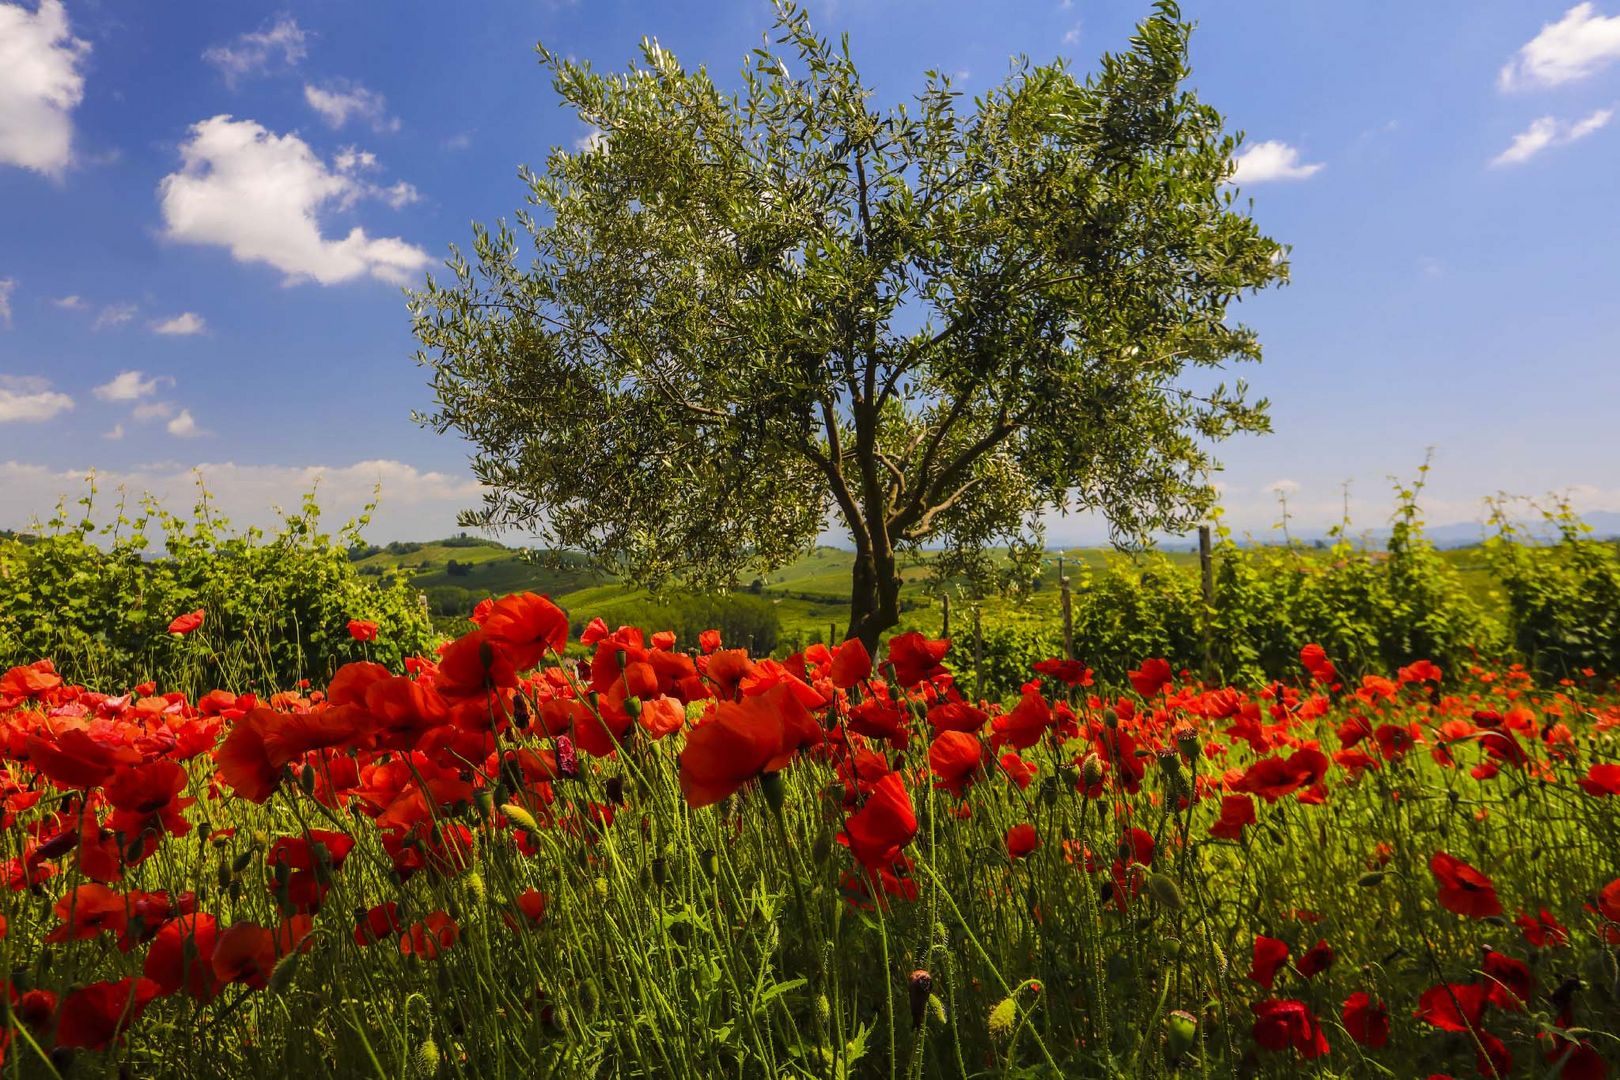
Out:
{"x": 736, "y": 316}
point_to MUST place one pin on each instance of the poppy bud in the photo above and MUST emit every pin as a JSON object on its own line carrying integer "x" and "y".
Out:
{"x": 484, "y": 800}
{"x": 1181, "y": 1031}
{"x": 632, "y": 706}
{"x": 282, "y": 975}
{"x": 520, "y": 817}
{"x": 486, "y": 656}
{"x": 1091, "y": 770}
{"x": 1049, "y": 791}
{"x": 1368, "y": 880}
{"x": 520, "y": 711}
{"x": 1003, "y": 1017}
{"x": 1162, "y": 887}
{"x": 614, "y": 789}
{"x": 709, "y": 862}
{"x": 425, "y": 1062}
{"x": 475, "y": 885}
{"x": 823, "y": 1008}
{"x": 1110, "y": 718}
{"x": 306, "y": 780}
{"x": 920, "y": 987}
{"x": 771, "y": 784}
{"x": 660, "y": 871}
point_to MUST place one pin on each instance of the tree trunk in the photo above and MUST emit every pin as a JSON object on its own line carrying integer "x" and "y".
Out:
{"x": 874, "y": 604}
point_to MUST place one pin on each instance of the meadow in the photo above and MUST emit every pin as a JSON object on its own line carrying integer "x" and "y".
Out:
{"x": 535, "y": 853}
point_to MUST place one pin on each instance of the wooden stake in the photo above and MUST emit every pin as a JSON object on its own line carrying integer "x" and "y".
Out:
{"x": 1206, "y": 570}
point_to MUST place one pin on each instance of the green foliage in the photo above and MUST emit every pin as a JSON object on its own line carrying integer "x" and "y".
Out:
{"x": 744, "y": 621}
{"x": 743, "y": 310}
{"x": 1563, "y": 599}
{"x": 96, "y": 600}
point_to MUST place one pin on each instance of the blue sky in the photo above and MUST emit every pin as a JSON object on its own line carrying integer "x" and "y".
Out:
{"x": 207, "y": 212}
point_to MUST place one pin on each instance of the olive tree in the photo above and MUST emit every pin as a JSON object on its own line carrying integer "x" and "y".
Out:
{"x": 732, "y": 318}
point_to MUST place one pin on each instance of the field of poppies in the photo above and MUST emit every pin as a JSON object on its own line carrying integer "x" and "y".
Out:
{"x": 632, "y": 856}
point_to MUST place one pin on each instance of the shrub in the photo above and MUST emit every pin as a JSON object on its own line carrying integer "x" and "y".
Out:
{"x": 744, "y": 621}
{"x": 97, "y": 602}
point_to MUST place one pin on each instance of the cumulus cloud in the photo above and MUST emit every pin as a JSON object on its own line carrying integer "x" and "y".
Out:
{"x": 114, "y": 434}
{"x": 182, "y": 325}
{"x": 184, "y": 426}
{"x": 129, "y": 386}
{"x": 114, "y": 315}
{"x": 152, "y": 410}
{"x": 40, "y": 85}
{"x": 1271, "y": 160}
{"x": 1549, "y": 131}
{"x": 30, "y": 399}
{"x": 71, "y": 303}
{"x": 276, "y": 46}
{"x": 414, "y": 503}
{"x": 260, "y": 195}
{"x": 1579, "y": 45}
{"x": 7, "y": 287}
{"x": 340, "y": 101}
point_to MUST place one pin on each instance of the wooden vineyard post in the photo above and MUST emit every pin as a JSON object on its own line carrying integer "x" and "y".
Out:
{"x": 945, "y": 615}
{"x": 1206, "y": 572}
{"x": 832, "y": 633}
{"x": 1068, "y": 612}
{"x": 978, "y": 658}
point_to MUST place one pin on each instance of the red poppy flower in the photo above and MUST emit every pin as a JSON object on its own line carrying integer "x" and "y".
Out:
{"x": 1317, "y": 959}
{"x": 1022, "y": 840}
{"x": 430, "y": 937}
{"x": 527, "y": 627}
{"x": 186, "y": 623}
{"x": 1315, "y": 660}
{"x": 1273, "y": 777}
{"x": 956, "y": 716}
{"x": 954, "y": 758}
{"x": 1153, "y": 676}
{"x": 1542, "y": 930}
{"x": 362, "y": 630}
{"x": 1509, "y": 981}
{"x": 90, "y": 909}
{"x": 245, "y": 953}
{"x": 916, "y": 659}
{"x": 95, "y": 1015}
{"x": 1237, "y": 812}
{"x": 1269, "y": 955}
{"x": 726, "y": 669}
{"x": 1602, "y": 780}
{"x": 739, "y": 741}
{"x": 708, "y": 641}
{"x": 1023, "y": 727}
{"x": 1453, "y": 1006}
{"x": 1283, "y": 1023}
{"x": 883, "y": 825}
{"x": 377, "y": 923}
{"x": 1366, "y": 1020}
{"x": 851, "y": 664}
{"x": 530, "y": 910}
{"x": 1608, "y": 901}
{"x": 1462, "y": 889}
{"x": 243, "y": 761}
{"x": 472, "y": 665}
{"x": 1067, "y": 672}
{"x": 37, "y": 678}
{"x": 180, "y": 957}
{"x": 75, "y": 759}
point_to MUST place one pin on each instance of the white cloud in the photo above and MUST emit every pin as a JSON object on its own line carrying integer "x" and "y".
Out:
{"x": 277, "y": 46}
{"x": 129, "y": 386}
{"x": 7, "y": 287}
{"x": 182, "y": 325}
{"x": 415, "y": 503}
{"x": 1549, "y": 131}
{"x": 40, "y": 85}
{"x": 1072, "y": 35}
{"x": 1580, "y": 44}
{"x": 1272, "y": 160}
{"x": 260, "y": 194}
{"x": 590, "y": 142}
{"x": 114, "y": 315}
{"x": 184, "y": 426}
{"x": 341, "y": 101}
{"x": 459, "y": 141}
{"x": 115, "y": 434}
{"x": 1283, "y": 487}
{"x": 71, "y": 303}
{"x": 152, "y": 410}
{"x": 30, "y": 399}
